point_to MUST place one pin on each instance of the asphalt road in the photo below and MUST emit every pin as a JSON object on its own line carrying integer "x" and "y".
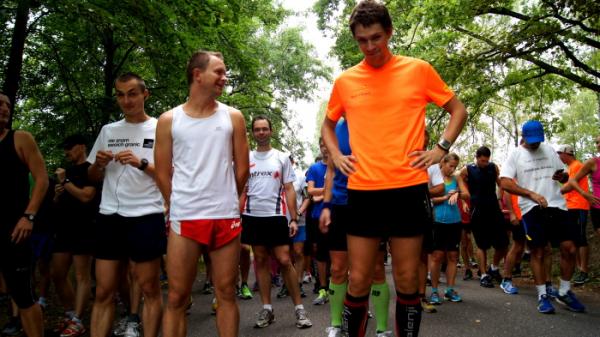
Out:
{"x": 483, "y": 312}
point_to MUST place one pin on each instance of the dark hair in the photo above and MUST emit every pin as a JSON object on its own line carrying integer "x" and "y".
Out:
{"x": 72, "y": 140}
{"x": 483, "y": 151}
{"x": 261, "y": 118}
{"x": 199, "y": 60}
{"x": 126, "y": 77}
{"x": 370, "y": 12}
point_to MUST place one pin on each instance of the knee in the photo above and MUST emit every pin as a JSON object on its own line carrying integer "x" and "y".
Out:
{"x": 339, "y": 273}
{"x": 452, "y": 257}
{"x": 261, "y": 260}
{"x": 150, "y": 288}
{"x": 82, "y": 277}
{"x": 568, "y": 248}
{"x": 178, "y": 298}
{"x": 285, "y": 262}
{"x": 360, "y": 283}
{"x": 104, "y": 294}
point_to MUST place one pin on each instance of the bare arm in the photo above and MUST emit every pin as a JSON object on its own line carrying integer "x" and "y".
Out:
{"x": 589, "y": 167}
{"x": 325, "y": 218}
{"x": 96, "y": 170}
{"x": 241, "y": 160}
{"x": 30, "y": 154}
{"x": 458, "y": 117}
{"x": 511, "y": 186}
{"x": 315, "y": 192}
{"x": 83, "y": 194}
{"x": 463, "y": 190}
{"x": 163, "y": 156}
{"x": 343, "y": 163}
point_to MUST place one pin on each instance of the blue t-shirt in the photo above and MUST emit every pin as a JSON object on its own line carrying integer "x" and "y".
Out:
{"x": 340, "y": 180}
{"x": 444, "y": 212}
{"x": 316, "y": 172}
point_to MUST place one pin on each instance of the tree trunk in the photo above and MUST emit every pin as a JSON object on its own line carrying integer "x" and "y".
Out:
{"x": 109, "y": 75}
{"x": 12, "y": 74}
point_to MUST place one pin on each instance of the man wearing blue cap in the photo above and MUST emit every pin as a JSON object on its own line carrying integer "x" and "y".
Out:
{"x": 538, "y": 169}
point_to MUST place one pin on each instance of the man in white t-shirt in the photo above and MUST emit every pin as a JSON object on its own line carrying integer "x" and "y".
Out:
{"x": 131, "y": 224}
{"x": 268, "y": 197}
{"x": 202, "y": 166}
{"x": 538, "y": 169}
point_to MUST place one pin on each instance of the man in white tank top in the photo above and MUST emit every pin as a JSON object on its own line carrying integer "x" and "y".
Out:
{"x": 268, "y": 198}
{"x": 202, "y": 166}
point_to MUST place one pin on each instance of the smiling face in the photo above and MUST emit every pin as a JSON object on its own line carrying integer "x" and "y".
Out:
{"x": 214, "y": 77}
{"x": 131, "y": 97}
{"x": 373, "y": 43}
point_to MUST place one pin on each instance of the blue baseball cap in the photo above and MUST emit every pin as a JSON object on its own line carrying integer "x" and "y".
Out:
{"x": 533, "y": 132}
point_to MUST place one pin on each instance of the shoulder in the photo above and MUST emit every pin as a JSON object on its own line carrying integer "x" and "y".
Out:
{"x": 23, "y": 137}
{"x": 166, "y": 116}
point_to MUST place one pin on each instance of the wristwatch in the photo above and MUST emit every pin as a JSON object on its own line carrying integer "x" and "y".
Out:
{"x": 326, "y": 204}
{"x": 29, "y": 216}
{"x": 294, "y": 220}
{"x": 444, "y": 144}
{"x": 67, "y": 180}
{"x": 143, "y": 164}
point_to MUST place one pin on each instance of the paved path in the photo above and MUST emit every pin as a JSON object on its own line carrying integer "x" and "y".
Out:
{"x": 484, "y": 313}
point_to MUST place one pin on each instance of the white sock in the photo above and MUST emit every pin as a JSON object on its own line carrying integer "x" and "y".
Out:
{"x": 70, "y": 313}
{"x": 268, "y": 307}
{"x": 483, "y": 275}
{"x": 299, "y": 307}
{"x": 493, "y": 267}
{"x": 565, "y": 286}
{"x": 541, "y": 290}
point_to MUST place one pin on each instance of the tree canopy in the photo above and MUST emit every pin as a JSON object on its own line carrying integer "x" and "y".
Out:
{"x": 73, "y": 51}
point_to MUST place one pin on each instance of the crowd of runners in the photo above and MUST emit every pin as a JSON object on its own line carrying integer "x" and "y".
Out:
{"x": 153, "y": 196}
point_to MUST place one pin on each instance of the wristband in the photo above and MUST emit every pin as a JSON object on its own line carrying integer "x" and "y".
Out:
{"x": 294, "y": 220}
{"x": 327, "y": 204}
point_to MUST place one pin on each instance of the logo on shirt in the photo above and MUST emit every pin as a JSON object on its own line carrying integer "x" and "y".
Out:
{"x": 148, "y": 143}
{"x": 276, "y": 174}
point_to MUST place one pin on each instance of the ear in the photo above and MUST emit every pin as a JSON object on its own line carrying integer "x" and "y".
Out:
{"x": 197, "y": 74}
{"x": 146, "y": 94}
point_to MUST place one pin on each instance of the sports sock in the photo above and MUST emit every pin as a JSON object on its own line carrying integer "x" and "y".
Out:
{"x": 354, "y": 318}
{"x": 408, "y": 314}
{"x": 337, "y": 292}
{"x": 564, "y": 287}
{"x": 381, "y": 302}
{"x": 541, "y": 290}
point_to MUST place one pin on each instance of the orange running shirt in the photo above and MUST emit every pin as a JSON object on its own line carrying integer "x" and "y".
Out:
{"x": 573, "y": 198}
{"x": 514, "y": 199}
{"x": 385, "y": 109}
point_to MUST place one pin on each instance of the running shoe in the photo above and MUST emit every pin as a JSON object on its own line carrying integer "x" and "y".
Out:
{"x": 276, "y": 281}
{"x": 581, "y": 278}
{"x": 333, "y": 331}
{"x": 427, "y": 307}
{"x": 245, "y": 292}
{"x": 452, "y": 296}
{"x": 428, "y": 280}
{"x": 385, "y": 334}
{"x": 307, "y": 278}
{"x": 508, "y": 287}
{"x": 435, "y": 298}
{"x": 74, "y": 329}
{"x": 473, "y": 263}
{"x": 64, "y": 323}
{"x": 302, "y": 321}
{"x": 120, "y": 328}
{"x": 283, "y": 292}
{"x": 133, "y": 329}
{"x": 468, "y": 274}
{"x": 495, "y": 274}
{"x": 43, "y": 303}
{"x": 322, "y": 298}
{"x": 207, "y": 289}
{"x": 265, "y": 318}
{"x": 571, "y": 302}
{"x": 12, "y": 327}
{"x": 486, "y": 281}
{"x": 544, "y": 305}
{"x": 551, "y": 291}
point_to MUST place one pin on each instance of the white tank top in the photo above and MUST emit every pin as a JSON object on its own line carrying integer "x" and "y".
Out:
{"x": 203, "y": 185}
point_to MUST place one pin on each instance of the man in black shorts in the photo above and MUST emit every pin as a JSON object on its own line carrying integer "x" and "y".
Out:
{"x": 20, "y": 156}
{"x": 487, "y": 221}
{"x": 267, "y": 198}
{"x": 76, "y": 204}
{"x": 131, "y": 223}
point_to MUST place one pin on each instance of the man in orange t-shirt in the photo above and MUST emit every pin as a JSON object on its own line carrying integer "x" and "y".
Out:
{"x": 578, "y": 208}
{"x": 383, "y": 99}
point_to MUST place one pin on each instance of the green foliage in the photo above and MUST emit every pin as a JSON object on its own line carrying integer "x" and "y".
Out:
{"x": 76, "y": 49}
{"x": 580, "y": 124}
